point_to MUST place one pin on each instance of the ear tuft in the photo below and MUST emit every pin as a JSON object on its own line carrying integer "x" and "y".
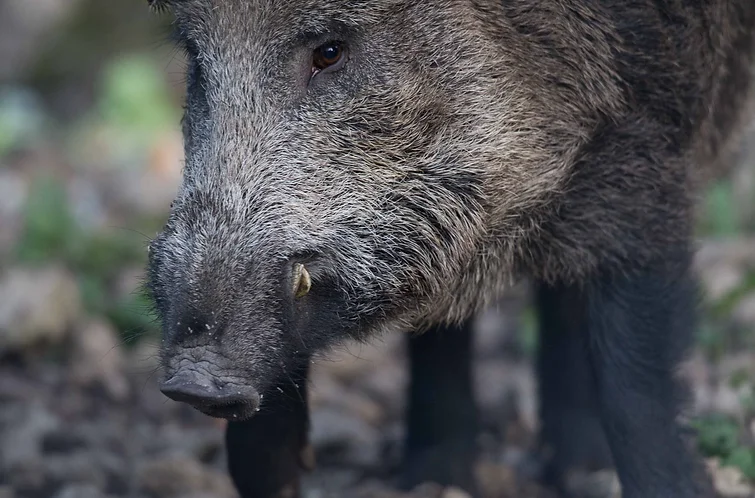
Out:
{"x": 158, "y": 5}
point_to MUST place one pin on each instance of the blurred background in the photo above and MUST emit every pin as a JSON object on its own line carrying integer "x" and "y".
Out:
{"x": 90, "y": 158}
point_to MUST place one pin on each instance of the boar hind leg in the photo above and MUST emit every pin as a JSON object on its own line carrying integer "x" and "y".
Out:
{"x": 442, "y": 422}
{"x": 267, "y": 453}
{"x": 640, "y": 323}
{"x": 573, "y": 442}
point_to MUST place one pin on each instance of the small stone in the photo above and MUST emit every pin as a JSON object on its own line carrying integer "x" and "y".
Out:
{"x": 81, "y": 491}
{"x": 111, "y": 470}
{"x": 350, "y": 438}
{"x": 496, "y": 480}
{"x": 729, "y": 481}
{"x": 362, "y": 407}
{"x": 37, "y": 306}
{"x": 722, "y": 265}
{"x": 202, "y": 494}
{"x": 25, "y": 428}
{"x": 200, "y": 443}
{"x": 453, "y": 492}
{"x": 63, "y": 441}
{"x": 79, "y": 467}
{"x": 325, "y": 389}
{"x": 307, "y": 458}
{"x": 28, "y": 478}
{"x": 427, "y": 490}
{"x": 328, "y": 482}
{"x": 744, "y": 312}
{"x": 598, "y": 484}
{"x": 97, "y": 358}
{"x": 13, "y": 192}
{"x": 15, "y": 388}
{"x": 721, "y": 279}
{"x": 328, "y": 391}
{"x": 387, "y": 386}
{"x": 354, "y": 359}
{"x": 498, "y": 380}
{"x": 738, "y": 252}
{"x": 176, "y": 477}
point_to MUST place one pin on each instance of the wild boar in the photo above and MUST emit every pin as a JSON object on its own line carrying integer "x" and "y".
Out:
{"x": 355, "y": 167}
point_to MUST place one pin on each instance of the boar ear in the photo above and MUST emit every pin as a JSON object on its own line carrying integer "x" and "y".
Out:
{"x": 158, "y": 5}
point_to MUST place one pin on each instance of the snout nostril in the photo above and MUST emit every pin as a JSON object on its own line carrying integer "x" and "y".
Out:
{"x": 191, "y": 393}
{"x": 226, "y": 403}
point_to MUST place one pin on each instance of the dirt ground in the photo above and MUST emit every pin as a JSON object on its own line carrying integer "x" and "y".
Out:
{"x": 85, "y": 419}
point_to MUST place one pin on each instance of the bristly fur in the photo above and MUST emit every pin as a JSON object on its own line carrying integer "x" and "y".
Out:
{"x": 464, "y": 144}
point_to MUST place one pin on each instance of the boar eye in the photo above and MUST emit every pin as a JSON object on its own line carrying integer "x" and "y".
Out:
{"x": 328, "y": 56}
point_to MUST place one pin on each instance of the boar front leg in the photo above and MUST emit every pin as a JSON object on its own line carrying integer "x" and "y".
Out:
{"x": 573, "y": 441}
{"x": 267, "y": 453}
{"x": 442, "y": 420}
{"x": 640, "y": 323}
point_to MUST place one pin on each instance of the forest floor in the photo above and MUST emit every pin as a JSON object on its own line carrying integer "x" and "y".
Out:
{"x": 85, "y": 419}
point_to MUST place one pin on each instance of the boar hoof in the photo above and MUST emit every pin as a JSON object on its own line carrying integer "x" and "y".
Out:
{"x": 307, "y": 458}
{"x": 596, "y": 484}
{"x": 446, "y": 464}
{"x": 289, "y": 491}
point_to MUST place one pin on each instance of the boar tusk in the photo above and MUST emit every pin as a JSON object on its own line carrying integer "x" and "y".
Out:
{"x": 302, "y": 281}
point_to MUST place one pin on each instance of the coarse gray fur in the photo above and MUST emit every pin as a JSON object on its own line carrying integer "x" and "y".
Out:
{"x": 465, "y": 143}
{"x": 426, "y": 171}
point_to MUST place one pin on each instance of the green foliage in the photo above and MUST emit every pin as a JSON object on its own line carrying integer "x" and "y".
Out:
{"x": 748, "y": 404}
{"x": 717, "y": 334}
{"x": 94, "y": 293}
{"x": 724, "y": 306}
{"x": 744, "y": 458}
{"x": 135, "y": 97}
{"x": 49, "y": 228}
{"x": 20, "y": 119}
{"x": 717, "y": 435}
{"x": 50, "y": 233}
{"x": 739, "y": 378}
{"x": 721, "y": 436}
{"x": 712, "y": 339}
{"x": 104, "y": 254}
{"x": 720, "y": 215}
{"x": 134, "y": 109}
{"x": 528, "y": 331}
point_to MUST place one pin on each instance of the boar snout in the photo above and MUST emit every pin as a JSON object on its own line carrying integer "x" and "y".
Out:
{"x": 236, "y": 316}
{"x": 211, "y": 396}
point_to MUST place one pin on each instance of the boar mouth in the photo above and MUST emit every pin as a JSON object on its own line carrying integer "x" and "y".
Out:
{"x": 229, "y": 402}
{"x": 234, "y": 412}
